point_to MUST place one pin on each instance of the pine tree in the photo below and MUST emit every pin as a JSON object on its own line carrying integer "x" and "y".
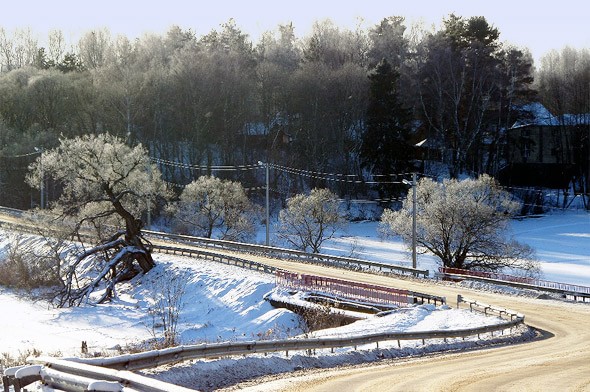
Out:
{"x": 385, "y": 149}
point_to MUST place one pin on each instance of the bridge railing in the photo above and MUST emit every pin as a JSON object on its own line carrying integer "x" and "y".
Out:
{"x": 353, "y": 290}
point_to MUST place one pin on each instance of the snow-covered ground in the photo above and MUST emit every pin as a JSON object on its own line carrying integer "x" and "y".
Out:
{"x": 561, "y": 241}
{"x": 224, "y": 303}
{"x": 220, "y": 303}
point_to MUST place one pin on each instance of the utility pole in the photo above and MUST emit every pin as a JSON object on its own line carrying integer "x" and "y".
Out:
{"x": 267, "y": 208}
{"x": 413, "y": 184}
{"x": 42, "y": 196}
{"x": 414, "y": 264}
{"x": 267, "y": 242}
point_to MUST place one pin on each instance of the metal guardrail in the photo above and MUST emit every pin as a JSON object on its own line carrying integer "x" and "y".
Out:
{"x": 283, "y": 253}
{"x": 485, "y": 308}
{"x": 11, "y": 211}
{"x": 114, "y": 373}
{"x": 67, "y": 375}
{"x": 219, "y": 257}
{"x": 78, "y": 374}
{"x": 155, "y": 358}
{"x": 575, "y": 291}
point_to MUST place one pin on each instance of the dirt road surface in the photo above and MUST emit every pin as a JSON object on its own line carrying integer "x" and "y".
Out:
{"x": 560, "y": 361}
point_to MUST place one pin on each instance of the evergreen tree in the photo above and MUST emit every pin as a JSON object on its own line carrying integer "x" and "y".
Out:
{"x": 385, "y": 148}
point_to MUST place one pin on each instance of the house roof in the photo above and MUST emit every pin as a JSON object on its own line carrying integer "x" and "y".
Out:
{"x": 540, "y": 115}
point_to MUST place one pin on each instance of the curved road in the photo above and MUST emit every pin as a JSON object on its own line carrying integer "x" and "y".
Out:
{"x": 559, "y": 362}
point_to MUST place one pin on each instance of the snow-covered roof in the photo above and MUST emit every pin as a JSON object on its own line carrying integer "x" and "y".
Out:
{"x": 540, "y": 115}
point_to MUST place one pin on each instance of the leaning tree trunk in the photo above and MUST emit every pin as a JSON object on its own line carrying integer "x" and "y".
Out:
{"x": 133, "y": 237}
{"x": 126, "y": 249}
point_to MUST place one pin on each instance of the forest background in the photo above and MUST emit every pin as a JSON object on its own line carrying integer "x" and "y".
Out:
{"x": 220, "y": 104}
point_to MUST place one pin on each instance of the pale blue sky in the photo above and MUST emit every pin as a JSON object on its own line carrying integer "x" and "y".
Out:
{"x": 539, "y": 25}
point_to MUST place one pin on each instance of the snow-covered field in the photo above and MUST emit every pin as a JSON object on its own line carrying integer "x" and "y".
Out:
{"x": 225, "y": 303}
{"x": 561, "y": 241}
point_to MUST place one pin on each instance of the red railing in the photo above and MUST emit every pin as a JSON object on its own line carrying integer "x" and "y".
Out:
{"x": 345, "y": 289}
{"x": 565, "y": 287}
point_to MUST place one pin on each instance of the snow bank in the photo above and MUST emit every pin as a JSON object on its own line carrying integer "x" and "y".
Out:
{"x": 221, "y": 303}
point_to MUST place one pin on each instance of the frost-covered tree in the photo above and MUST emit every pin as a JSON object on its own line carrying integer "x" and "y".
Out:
{"x": 210, "y": 204}
{"x": 463, "y": 223}
{"x": 106, "y": 186}
{"x": 309, "y": 220}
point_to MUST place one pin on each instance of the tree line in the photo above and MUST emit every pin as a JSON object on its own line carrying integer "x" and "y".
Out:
{"x": 337, "y": 100}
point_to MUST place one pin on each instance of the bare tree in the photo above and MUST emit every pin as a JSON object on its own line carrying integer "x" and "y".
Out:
{"x": 6, "y": 48}
{"x": 168, "y": 296}
{"x": 564, "y": 81}
{"x": 56, "y": 46}
{"x": 310, "y": 220}
{"x": 106, "y": 185}
{"x": 463, "y": 223}
{"x": 94, "y": 48}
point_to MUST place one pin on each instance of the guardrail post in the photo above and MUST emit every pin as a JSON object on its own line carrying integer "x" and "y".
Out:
{"x": 459, "y": 300}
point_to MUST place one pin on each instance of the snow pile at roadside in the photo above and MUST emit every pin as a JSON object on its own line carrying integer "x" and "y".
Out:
{"x": 221, "y": 302}
{"x": 418, "y": 318}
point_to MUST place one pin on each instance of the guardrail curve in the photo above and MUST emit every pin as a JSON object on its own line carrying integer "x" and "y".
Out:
{"x": 114, "y": 373}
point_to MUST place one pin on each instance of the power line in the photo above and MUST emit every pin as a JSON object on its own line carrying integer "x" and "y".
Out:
{"x": 326, "y": 176}
{"x": 335, "y": 177}
{"x": 21, "y": 155}
{"x": 338, "y": 175}
{"x": 204, "y": 167}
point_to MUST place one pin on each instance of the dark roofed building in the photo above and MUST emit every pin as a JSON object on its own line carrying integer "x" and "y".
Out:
{"x": 547, "y": 151}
